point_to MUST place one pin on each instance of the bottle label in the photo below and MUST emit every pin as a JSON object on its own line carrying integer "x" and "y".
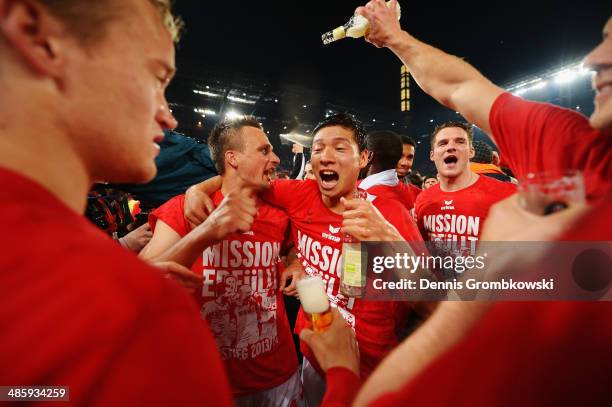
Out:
{"x": 351, "y": 271}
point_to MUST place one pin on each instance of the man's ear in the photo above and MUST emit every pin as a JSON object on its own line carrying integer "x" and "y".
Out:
{"x": 231, "y": 158}
{"x": 431, "y": 158}
{"x": 472, "y": 151}
{"x": 364, "y": 158}
{"x": 34, "y": 34}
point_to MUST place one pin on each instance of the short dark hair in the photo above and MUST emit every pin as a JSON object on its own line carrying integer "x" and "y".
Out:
{"x": 348, "y": 122}
{"x": 408, "y": 140}
{"x": 386, "y": 147}
{"x": 225, "y": 136}
{"x": 465, "y": 126}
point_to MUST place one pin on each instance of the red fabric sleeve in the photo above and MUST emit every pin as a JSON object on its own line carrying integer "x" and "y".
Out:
{"x": 538, "y": 137}
{"x": 172, "y": 214}
{"x": 342, "y": 387}
{"x": 415, "y": 190}
{"x": 396, "y": 214}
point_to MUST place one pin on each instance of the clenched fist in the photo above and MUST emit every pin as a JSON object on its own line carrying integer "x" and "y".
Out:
{"x": 235, "y": 213}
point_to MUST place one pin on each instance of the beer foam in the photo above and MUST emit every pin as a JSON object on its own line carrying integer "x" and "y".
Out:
{"x": 312, "y": 295}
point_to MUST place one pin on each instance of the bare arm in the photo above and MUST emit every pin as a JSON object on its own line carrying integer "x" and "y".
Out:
{"x": 167, "y": 245}
{"x": 448, "y": 79}
{"x": 236, "y": 213}
{"x": 198, "y": 205}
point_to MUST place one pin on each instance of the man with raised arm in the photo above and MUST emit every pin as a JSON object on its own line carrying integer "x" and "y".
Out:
{"x": 321, "y": 212}
{"x": 536, "y": 347}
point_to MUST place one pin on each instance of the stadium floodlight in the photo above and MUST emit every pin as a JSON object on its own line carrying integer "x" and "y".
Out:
{"x": 205, "y": 93}
{"x": 240, "y": 100}
{"x": 565, "y": 76}
{"x": 204, "y": 112}
{"x": 232, "y": 115}
{"x": 297, "y": 138}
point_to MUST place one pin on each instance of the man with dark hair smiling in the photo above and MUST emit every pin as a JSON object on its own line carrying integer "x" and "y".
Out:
{"x": 514, "y": 353}
{"x": 321, "y": 212}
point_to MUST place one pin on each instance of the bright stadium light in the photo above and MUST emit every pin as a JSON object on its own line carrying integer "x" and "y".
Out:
{"x": 203, "y": 111}
{"x": 565, "y": 76}
{"x": 232, "y": 115}
{"x": 240, "y": 100}
{"x": 211, "y": 94}
{"x": 561, "y": 76}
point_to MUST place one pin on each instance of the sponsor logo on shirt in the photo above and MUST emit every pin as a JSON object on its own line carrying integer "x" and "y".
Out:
{"x": 330, "y": 236}
{"x": 333, "y": 230}
{"x": 448, "y": 206}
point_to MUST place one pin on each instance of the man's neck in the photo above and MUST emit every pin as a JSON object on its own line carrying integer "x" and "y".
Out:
{"x": 232, "y": 182}
{"x": 334, "y": 204}
{"x": 462, "y": 181}
{"x": 44, "y": 155}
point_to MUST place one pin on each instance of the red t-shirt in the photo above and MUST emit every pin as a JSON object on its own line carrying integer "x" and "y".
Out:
{"x": 538, "y": 137}
{"x": 318, "y": 241}
{"x": 78, "y": 310}
{"x": 400, "y": 192}
{"x": 457, "y": 217}
{"x": 415, "y": 190}
{"x": 545, "y": 353}
{"x": 240, "y": 298}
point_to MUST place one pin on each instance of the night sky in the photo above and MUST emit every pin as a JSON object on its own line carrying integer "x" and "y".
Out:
{"x": 281, "y": 40}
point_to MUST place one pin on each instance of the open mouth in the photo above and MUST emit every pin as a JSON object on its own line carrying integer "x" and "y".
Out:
{"x": 451, "y": 160}
{"x": 329, "y": 179}
{"x": 267, "y": 175}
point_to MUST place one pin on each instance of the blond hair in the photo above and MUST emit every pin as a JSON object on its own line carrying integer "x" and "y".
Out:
{"x": 87, "y": 19}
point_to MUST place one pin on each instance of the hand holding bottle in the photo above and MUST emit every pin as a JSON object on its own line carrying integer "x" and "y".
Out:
{"x": 358, "y": 25}
{"x": 384, "y": 26}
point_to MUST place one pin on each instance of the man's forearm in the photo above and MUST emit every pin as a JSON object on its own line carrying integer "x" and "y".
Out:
{"x": 210, "y": 185}
{"x": 189, "y": 248}
{"x": 447, "y": 78}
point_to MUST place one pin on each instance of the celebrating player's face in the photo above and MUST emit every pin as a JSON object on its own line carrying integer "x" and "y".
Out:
{"x": 404, "y": 165}
{"x": 257, "y": 162}
{"x": 600, "y": 60}
{"x": 451, "y": 152}
{"x": 336, "y": 161}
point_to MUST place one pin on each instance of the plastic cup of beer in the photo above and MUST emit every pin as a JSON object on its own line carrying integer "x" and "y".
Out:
{"x": 549, "y": 192}
{"x": 314, "y": 302}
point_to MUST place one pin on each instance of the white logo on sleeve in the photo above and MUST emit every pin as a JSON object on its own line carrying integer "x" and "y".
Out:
{"x": 333, "y": 230}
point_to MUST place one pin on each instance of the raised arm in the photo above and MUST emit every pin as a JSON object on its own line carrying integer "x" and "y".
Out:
{"x": 198, "y": 205}
{"x": 447, "y": 78}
